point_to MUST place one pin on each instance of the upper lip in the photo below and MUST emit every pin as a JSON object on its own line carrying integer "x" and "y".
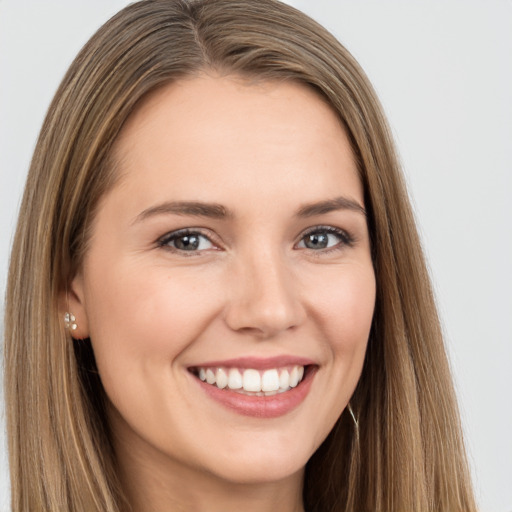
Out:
{"x": 258, "y": 363}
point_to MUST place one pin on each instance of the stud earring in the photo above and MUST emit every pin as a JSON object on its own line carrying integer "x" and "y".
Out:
{"x": 69, "y": 322}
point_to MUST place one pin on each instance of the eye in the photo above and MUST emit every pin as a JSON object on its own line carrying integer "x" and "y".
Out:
{"x": 324, "y": 237}
{"x": 186, "y": 240}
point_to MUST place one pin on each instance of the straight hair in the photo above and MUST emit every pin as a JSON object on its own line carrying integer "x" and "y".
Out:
{"x": 400, "y": 448}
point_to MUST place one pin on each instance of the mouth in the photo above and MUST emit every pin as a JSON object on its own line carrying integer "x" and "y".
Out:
{"x": 261, "y": 388}
{"x": 252, "y": 381}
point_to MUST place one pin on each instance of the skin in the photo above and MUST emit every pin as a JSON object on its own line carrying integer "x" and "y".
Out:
{"x": 253, "y": 288}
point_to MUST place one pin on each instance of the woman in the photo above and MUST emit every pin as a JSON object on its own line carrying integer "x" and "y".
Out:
{"x": 217, "y": 293}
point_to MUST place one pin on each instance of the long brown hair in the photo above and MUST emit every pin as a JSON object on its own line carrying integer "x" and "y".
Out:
{"x": 401, "y": 450}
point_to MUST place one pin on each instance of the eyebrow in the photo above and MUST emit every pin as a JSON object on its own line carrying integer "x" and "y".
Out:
{"x": 192, "y": 208}
{"x": 218, "y": 211}
{"x": 330, "y": 205}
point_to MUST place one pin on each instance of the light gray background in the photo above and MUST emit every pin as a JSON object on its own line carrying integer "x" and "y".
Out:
{"x": 444, "y": 74}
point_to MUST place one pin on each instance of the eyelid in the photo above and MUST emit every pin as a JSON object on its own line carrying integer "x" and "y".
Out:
{"x": 162, "y": 241}
{"x": 347, "y": 240}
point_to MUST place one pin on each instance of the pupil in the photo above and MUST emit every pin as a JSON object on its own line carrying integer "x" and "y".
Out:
{"x": 187, "y": 242}
{"x": 316, "y": 241}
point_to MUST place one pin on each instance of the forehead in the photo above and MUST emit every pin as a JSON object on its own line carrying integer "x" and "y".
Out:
{"x": 205, "y": 134}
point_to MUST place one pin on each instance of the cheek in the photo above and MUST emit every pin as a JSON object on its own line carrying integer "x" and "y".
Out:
{"x": 139, "y": 315}
{"x": 345, "y": 309}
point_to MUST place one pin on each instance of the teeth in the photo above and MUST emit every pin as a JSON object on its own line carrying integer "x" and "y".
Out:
{"x": 270, "y": 381}
{"x": 294, "y": 377}
{"x": 210, "y": 376}
{"x": 251, "y": 381}
{"x": 234, "y": 379}
{"x": 284, "y": 379}
{"x": 222, "y": 378}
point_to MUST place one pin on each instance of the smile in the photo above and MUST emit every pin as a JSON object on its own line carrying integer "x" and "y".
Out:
{"x": 250, "y": 381}
{"x": 263, "y": 388}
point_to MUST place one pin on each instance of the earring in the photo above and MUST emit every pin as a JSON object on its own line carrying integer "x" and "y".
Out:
{"x": 356, "y": 423}
{"x": 69, "y": 321}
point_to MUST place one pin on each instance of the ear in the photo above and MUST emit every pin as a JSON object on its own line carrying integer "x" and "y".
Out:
{"x": 72, "y": 301}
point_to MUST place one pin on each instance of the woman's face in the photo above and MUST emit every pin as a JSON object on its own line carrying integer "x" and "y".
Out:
{"x": 234, "y": 248}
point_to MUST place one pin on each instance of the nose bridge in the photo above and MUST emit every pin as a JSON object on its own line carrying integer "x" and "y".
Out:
{"x": 265, "y": 297}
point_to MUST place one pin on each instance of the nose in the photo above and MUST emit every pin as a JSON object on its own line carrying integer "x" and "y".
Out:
{"x": 264, "y": 299}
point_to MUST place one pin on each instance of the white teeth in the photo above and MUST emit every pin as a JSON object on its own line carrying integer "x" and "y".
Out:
{"x": 252, "y": 380}
{"x": 261, "y": 383}
{"x": 222, "y": 378}
{"x": 270, "y": 380}
{"x": 294, "y": 377}
{"x": 210, "y": 376}
{"x": 284, "y": 379}
{"x": 234, "y": 379}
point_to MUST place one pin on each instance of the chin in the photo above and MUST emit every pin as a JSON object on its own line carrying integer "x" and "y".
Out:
{"x": 263, "y": 466}
{"x": 262, "y": 474}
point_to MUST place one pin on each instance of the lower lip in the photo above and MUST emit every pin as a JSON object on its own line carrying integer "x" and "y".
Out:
{"x": 261, "y": 406}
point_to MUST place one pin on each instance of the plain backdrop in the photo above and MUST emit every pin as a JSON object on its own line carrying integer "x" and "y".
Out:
{"x": 444, "y": 75}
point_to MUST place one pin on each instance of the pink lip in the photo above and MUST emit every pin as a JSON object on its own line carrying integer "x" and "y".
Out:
{"x": 260, "y": 406}
{"x": 258, "y": 363}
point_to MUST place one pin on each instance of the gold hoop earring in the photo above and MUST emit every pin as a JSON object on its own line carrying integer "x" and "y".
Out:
{"x": 69, "y": 322}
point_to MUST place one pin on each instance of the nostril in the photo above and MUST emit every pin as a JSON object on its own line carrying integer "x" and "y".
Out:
{"x": 264, "y": 320}
{"x": 263, "y": 297}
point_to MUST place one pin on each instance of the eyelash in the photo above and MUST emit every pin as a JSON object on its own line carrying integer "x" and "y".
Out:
{"x": 164, "y": 241}
{"x": 345, "y": 240}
